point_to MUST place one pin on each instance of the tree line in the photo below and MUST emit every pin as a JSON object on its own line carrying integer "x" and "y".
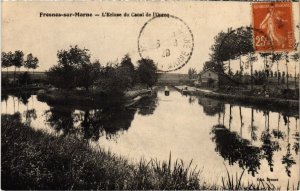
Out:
{"x": 238, "y": 45}
{"x": 16, "y": 60}
{"x": 75, "y": 69}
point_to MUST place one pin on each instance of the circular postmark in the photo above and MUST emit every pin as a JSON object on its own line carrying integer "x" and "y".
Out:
{"x": 168, "y": 41}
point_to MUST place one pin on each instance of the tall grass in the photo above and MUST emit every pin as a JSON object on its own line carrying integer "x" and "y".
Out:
{"x": 231, "y": 183}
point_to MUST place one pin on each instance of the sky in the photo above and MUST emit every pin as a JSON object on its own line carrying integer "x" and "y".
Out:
{"x": 110, "y": 38}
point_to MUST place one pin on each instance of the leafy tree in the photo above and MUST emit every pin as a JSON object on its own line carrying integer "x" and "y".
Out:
{"x": 73, "y": 66}
{"x": 6, "y": 60}
{"x": 267, "y": 65}
{"x": 295, "y": 58}
{"x": 214, "y": 66}
{"x": 231, "y": 45}
{"x": 192, "y": 73}
{"x": 114, "y": 79}
{"x": 88, "y": 74}
{"x": 276, "y": 57}
{"x": 250, "y": 59}
{"x": 127, "y": 71}
{"x": 31, "y": 62}
{"x": 287, "y": 60}
{"x": 17, "y": 61}
{"x": 109, "y": 81}
{"x": 147, "y": 72}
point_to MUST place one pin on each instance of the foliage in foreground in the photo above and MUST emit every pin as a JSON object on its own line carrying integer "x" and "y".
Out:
{"x": 34, "y": 160}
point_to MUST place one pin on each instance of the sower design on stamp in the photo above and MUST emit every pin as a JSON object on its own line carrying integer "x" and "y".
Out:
{"x": 273, "y": 26}
{"x": 168, "y": 41}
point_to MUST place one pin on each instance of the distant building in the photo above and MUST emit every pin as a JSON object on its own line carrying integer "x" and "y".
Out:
{"x": 211, "y": 79}
{"x": 172, "y": 78}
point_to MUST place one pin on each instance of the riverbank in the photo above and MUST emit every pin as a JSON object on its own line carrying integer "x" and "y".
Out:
{"x": 92, "y": 98}
{"x": 28, "y": 88}
{"x": 35, "y": 160}
{"x": 262, "y": 102}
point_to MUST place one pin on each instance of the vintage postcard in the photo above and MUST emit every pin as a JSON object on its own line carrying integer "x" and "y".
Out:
{"x": 155, "y": 95}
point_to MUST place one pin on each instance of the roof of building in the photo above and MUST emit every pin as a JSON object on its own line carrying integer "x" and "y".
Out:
{"x": 209, "y": 69}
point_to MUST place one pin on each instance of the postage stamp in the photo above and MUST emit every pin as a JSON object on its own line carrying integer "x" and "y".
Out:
{"x": 273, "y": 24}
{"x": 170, "y": 47}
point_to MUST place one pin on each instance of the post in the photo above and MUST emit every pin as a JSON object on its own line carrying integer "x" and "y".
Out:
{"x": 295, "y": 77}
{"x": 251, "y": 124}
{"x": 251, "y": 71}
{"x": 287, "y": 74}
{"x": 277, "y": 73}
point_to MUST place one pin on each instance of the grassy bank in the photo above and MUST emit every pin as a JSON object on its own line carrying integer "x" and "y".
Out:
{"x": 79, "y": 97}
{"x": 91, "y": 99}
{"x": 34, "y": 160}
{"x": 251, "y": 100}
{"x": 291, "y": 107}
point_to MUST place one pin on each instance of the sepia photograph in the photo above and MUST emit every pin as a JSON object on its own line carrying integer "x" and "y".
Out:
{"x": 150, "y": 95}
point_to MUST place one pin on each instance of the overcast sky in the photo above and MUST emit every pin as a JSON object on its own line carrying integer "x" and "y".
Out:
{"x": 109, "y": 39}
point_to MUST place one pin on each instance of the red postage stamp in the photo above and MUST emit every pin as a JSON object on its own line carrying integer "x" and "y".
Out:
{"x": 273, "y": 26}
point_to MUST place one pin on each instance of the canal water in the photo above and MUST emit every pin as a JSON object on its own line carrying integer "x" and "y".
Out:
{"x": 212, "y": 134}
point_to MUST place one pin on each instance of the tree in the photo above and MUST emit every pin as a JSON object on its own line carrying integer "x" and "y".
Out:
{"x": 24, "y": 78}
{"x": 214, "y": 66}
{"x": 31, "y": 62}
{"x": 6, "y": 61}
{"x": 126, "y": 69}
{"x": 250, "y": 59}
{"x": 88, "y": 74}
{"x": 295, "y": 58}
{"x": 147, "y": 71}
{"x": 17, "y": 61}
{"x": 276, "y": 57}
{"x": 192, "y": 73}
{"x": 231, "y": 45}
{"x": 267, "y": 66}
{"x": 72, "y": 69}
{"x": 112, "y": 79}
{"x": 287, "y": 60}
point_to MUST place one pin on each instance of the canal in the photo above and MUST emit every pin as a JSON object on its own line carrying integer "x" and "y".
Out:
{"x": 212, "y": 134}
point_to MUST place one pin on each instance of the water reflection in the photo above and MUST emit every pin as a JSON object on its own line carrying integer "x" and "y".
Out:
{"x": 61, "y": 119}
{"x": 288, "y": 159}
{"x": 92, "y": 124}
{"x": 211, "y": 107}
{"x": 268, "y": 147}
{"x": 260, "y": 141}
{"x": 248, "y": 154}
{"x": 148, "y": 105}
{"x": 236, "y": 149}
